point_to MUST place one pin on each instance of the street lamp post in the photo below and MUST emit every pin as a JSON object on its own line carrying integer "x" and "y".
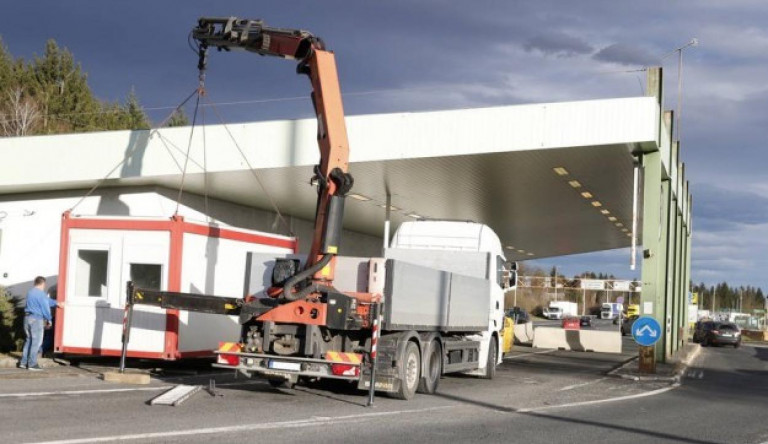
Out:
{"x": 694, "y": 42}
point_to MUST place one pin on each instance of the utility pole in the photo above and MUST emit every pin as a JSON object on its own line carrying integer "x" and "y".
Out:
{"x": 555, "y": 283}
{"x": 741, "y": 299}
{"x": 583, "y": 297}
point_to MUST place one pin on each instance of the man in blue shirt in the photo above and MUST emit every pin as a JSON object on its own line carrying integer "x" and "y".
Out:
{"x": 38, "y": 317}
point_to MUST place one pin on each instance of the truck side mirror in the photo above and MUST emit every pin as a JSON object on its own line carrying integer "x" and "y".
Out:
{"x": 512, "y": 274}
{"x": 512, "y": 278}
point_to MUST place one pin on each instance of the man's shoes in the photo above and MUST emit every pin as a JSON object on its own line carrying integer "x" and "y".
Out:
{"x": 35, "y": 368}
{"x": 20, "y": 365}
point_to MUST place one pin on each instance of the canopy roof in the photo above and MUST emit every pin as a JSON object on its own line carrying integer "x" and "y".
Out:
{"x": 512, "y": 168}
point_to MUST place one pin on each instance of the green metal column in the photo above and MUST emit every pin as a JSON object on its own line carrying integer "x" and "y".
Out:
{"x": 667, "y": 310}
{"x": 655, "y": 197}
{"x": 679, "y": 297}
{"x": 670, "y": 271}
{"x": 688, "y": 237}
{"x": 686, "y": 270}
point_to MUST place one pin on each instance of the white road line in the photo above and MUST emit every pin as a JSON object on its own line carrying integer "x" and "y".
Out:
{"x": 83, "y": 392}
{"x": 309, "y": 422}
{"x": 528, "y": 354}
{"x": 571, "y": 387}
{"x": 116, "y": 390}
{"x": 600, "y": 401}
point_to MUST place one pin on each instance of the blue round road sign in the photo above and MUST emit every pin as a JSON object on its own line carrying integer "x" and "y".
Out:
{"x": 646, "y": 331}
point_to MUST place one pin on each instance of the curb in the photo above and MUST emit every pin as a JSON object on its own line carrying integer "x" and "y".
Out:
{"x": 680, "y": 369}
{"x": 10, "y": 362}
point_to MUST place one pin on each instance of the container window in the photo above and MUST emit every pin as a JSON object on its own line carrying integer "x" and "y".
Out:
{"x": 147, "y": 276}
{"x": 91, "y": 273}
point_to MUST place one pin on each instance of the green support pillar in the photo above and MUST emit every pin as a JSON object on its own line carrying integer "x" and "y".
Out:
{"x": 655, "y": 229}
{"x": 686, "y": 260}
{"x": 679, "y": 297}
{"x": 655, "y": 197}
{"x": 688, "y": 237}
{"x": 669, "y": 272}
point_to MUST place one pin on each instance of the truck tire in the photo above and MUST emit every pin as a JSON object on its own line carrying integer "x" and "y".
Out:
{"x": 434, "y": 368}
{"x": 410, "y": 370}
{"x": 490, "y": 365}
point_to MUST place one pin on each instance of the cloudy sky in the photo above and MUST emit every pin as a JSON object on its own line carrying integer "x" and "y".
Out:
{"x": 407, "y": 55}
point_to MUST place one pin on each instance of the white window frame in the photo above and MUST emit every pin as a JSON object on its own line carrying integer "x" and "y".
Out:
{"x": 72, "y": 294}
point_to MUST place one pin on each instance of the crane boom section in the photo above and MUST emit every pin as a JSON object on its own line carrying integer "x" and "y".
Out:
{"x": 331, "y": 174}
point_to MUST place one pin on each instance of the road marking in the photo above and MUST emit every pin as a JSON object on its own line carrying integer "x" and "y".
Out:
{"x": 600, "y": 401}
{"x": 528, "y": 354}
{"x": 117, "y": 390}
{"x": 309, "y": 422}
{"x": 571, "y": 387}
{"x": 82, "y": 392}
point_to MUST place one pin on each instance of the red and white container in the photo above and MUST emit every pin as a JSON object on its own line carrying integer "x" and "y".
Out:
{"x": 99, "y": 255}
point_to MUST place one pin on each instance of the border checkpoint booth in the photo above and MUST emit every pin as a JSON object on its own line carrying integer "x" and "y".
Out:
{"x": 99, "y": 255}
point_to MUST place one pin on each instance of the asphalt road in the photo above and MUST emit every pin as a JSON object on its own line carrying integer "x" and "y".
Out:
{"x": 538, "y": 396}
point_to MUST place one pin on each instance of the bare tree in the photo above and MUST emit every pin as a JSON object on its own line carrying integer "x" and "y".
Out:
{"x": 19, "y": 115}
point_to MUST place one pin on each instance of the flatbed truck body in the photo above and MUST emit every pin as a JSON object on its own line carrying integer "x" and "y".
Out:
{"x": 440, "y": 301}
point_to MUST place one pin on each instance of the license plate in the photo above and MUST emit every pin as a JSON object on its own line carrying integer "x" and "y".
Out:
{"x": 279, "y": 365}
{"x": 727, "y": 335}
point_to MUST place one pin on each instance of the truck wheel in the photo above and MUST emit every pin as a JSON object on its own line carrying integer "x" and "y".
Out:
{"x": 434, "y": 368}
{"x": 409, "y": 372}
{"x": 490, "y": 366}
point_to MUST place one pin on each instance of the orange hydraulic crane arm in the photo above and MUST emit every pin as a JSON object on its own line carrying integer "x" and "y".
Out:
{"x": 331, "y": 175}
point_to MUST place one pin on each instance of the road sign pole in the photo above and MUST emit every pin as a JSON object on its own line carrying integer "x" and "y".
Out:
{"x": 647, "y": 360}
{"x": 646, "y": 331}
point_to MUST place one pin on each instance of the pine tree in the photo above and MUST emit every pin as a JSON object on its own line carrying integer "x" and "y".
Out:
{"x": 6, "y": 67}
{"x": 62, "y": 89}
{"x": 178, "y": 118}
{"x": 50, "y": 95}
{"x": 137, "y": 118}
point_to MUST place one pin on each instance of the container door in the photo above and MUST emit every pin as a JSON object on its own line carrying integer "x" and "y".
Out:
{"x": 145, "y": 263}
{"x": 92, "y": 289}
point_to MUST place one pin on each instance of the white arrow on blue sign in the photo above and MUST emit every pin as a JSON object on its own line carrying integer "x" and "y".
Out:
{"x": 646, "y": 331}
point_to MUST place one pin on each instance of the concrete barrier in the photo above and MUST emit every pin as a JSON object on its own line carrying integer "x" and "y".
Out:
{"x": 524, "y": 333}
{"x": 757, "y": 335}
{"x": 577, "y": 340}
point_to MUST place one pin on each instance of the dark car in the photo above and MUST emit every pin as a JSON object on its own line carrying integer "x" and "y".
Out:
{"x": 626, "y": 325}
{"x": 585, "y": 321}
{"x": 519, "y": 315}
{"x": 717, "y": 333}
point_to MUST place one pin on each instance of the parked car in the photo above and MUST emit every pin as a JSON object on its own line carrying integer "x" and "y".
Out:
{"x": 520, "y": 315}
{"x": 717, "y": 333}
{"x": 571, "y": 323}
{"x": 626, "y": 325}
{"x": 585, "y": 321}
